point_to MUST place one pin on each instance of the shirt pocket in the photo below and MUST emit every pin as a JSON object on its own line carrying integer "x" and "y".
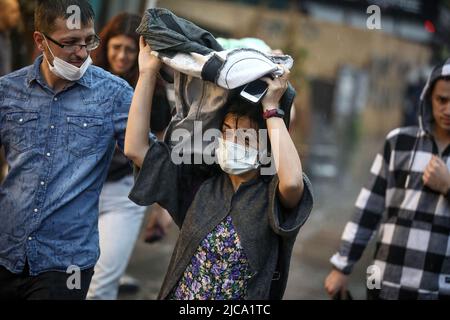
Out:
{"x": 20, "y": 130}
{"x": 83, "y": 135}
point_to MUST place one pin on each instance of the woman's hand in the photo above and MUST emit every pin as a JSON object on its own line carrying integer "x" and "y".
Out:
{"x": 148, "y": 63}
{"x": 277, "y": 88}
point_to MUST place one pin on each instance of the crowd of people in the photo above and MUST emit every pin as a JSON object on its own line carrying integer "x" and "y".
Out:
{"x": 86, "y": 153}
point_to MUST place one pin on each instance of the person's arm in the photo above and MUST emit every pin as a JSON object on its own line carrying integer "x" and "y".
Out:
{"x": 158, "y": 179}
{"x": 437, "y": 177}
{"x": 370, "y": 207}
{"x": 293, "y": 119}
{"x": 138, "y": 129}
{"x": 285, "y": 155}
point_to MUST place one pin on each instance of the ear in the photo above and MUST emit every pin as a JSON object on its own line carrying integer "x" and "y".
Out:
{"x": 39, "y": 41}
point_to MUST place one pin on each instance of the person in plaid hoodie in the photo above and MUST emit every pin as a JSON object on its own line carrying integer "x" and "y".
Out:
{"x": 408, "y": 200}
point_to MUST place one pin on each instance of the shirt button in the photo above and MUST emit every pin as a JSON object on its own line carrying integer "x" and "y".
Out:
{"x": 20, "y": 120}
{"x": 42, "y": 183}
{"x": 52, "y": 127}
{"x": 30, "y": 238}
{"x": 49, "y": 154}
{"x": 36, "y": 210}
{"x": 56, "y": 99}
{"x": 85, "y": 125}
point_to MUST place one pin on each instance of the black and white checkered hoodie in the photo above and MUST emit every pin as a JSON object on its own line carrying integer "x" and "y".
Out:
{"x": 412, "y": 257}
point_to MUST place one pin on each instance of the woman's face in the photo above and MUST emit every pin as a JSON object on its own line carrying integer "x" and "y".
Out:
{"x": 122, "y": 54}
{"x": 240, "y": 130}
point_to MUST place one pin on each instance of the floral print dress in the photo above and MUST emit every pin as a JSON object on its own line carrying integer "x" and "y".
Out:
{"x": 219, "y": 270}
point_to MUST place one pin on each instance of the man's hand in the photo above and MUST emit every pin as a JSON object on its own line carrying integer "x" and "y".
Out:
{"x": 277, "y": 88}
{"x": 336, "y": 282}
{"x": 148, "y": 63}
{"x": 437, "y": 176}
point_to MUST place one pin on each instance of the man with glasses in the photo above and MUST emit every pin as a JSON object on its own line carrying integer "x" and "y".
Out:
{"x": 60, "y": 120}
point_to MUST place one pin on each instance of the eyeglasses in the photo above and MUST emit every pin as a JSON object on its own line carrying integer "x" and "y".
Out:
{"x": 92, "y": 45}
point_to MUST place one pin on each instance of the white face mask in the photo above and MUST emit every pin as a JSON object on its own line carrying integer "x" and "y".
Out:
{"x": 65, "y": 70}
{"x": 235, "y": 159}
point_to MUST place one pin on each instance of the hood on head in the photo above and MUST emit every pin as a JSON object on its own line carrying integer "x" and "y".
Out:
{"x": 426, "y": 108}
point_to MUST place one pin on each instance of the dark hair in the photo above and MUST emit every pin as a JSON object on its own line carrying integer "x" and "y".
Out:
{"x": 242, "y": 108}
{"x": 47, "y": 11}
{"x": 433, "y": 84}
{"x": 123, "y": 24}
{"x": 161, "y": 115}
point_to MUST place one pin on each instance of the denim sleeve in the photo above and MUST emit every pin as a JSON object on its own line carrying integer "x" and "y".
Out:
{"x": 287, "y": 223}
{"x": 2, "y": 98}
{"x": 121, "y": 108}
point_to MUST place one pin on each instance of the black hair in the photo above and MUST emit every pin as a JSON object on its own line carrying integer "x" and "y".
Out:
{"x": 161, "y": 115}
{"x": 433, "y": 84}
{"x": 47, "y": 11}
{"x": 242, "y": 108}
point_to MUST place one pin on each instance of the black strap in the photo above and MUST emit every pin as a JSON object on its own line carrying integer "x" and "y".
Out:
{"x": 211, "y": 68}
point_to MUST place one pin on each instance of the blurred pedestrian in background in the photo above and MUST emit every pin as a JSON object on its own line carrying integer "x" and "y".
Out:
{"x": 10, "y": 18}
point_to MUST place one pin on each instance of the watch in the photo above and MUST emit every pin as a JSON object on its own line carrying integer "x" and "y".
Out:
{"x": 278, "y": 113}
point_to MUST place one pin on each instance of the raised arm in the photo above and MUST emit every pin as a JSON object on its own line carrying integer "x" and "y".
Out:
{"x": 287, "y": 160}
{"x": 138, "y": 128}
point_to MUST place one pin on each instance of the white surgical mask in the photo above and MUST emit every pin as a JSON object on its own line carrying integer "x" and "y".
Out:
{"x": 65, "y": 70}
{"x": 235, "y": 159}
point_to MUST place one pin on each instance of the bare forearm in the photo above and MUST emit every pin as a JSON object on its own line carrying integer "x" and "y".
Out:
{"x": 285, "y": 155}
{"x": 287, "y": 161}
{"x": 136, "y": 139}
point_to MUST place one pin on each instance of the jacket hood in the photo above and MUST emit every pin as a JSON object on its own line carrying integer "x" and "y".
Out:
{"x": 426, "y": 108}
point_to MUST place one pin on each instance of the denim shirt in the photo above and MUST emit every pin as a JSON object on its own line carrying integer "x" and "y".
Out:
{"x": 58, "y": 147}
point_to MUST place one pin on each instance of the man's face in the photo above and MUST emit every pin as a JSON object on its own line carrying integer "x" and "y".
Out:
{"x": 67, "y": 37}
{"x": 440, "y": 99}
